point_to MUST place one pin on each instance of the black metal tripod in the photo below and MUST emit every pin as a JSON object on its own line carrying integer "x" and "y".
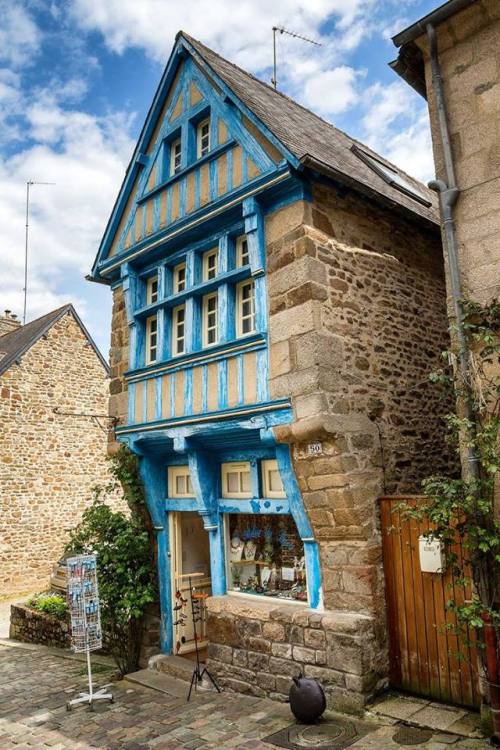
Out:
{"x": 196, "y": 610}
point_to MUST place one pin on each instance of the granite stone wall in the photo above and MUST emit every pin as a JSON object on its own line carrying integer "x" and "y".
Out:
{"x": 49, "y": 461}
{"x": 118, "y": 361}
{"x": 29, "y": 626}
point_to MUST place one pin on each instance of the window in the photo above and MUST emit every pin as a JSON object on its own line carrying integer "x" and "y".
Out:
{"x": 245, "y": 303}
{"x": 203, "y": 138}
{"x": 151, "y": 339}
{"x": 390, "y": 175}
{"x": 179, "y": 482}
{"x": 175, "y": 156}
{"x": 179, "y": 278}
{"x": 210, "y": 264}
{"x": 242, "y": 258}
{"x": 271, "y": 480}
{"x": 210, "y": 315}
{"x": 265, "y": 557}
{"x": 178, "y": 330}
{"x": 151, "y": 290}
{"x": 236, "y": 481}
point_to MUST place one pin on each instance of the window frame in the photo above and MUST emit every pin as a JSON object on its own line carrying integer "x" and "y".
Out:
{"x": 204, "y": 315}
{"x": 239, "y": 251}
{"x": 232, "y": 467}
{"x": 149, "y": 291}
{"x": 267, "y": 465}
{"x": 175, "y": 337}
{"x": 174, "y": 156}
{"x": 239, "y": 309}
{"x": 148, "y": 343}
{"x": 213, "y": 252}
{"x": 200, "y": 151}
{"x": 175, "y": 278}
{"x": 173, "y": 472}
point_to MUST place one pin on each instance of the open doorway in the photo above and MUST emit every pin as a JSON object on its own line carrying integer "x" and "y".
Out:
{"x": 190, "y": 554}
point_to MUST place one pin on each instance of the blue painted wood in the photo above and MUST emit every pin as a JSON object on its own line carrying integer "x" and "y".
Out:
{"x": 131, "y": 403}
{"x": 313, "y": 574}
{"x": 188, "y": 390}
{"x": 241, "y": 395}
{"x": 222, "y": 383}
{"x": 181, "y": 504}
{"x": 204, "y": 389}
{"x": 225, "y": 322}
{"x": 262, "y": 376}
{"x": 270, "y": 506}
{"x": 158, "y": 398}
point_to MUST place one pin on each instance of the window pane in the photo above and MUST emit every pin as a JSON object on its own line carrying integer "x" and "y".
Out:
{"x": 275, "y": 546}
{"x": 232, "y": 480}
{"x": 245, "y": 481}
{"x": 274, "y": 479}
{"x": 189, "y": 486}
{"x": 180, "y": 485}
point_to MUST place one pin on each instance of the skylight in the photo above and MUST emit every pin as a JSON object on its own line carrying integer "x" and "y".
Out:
{"x": 389, "y": 175}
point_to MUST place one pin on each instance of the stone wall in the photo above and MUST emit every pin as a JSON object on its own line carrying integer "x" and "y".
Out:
{"x": 357, "y": 323}
{"x": 118, "y": 360}
{"x": 257, "y": 647}
{"x": 30, "y": 626}
{"x": 49, "y": 462}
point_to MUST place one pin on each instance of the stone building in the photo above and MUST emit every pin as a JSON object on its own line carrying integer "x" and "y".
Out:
{"x": 279, "y": 302}
{"x": 51, "y": 374}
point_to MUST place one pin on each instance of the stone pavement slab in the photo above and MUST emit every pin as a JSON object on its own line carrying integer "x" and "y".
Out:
{"x": 35, "y": 686}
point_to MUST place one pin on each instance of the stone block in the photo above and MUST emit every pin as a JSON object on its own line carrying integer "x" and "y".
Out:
{"x": 345, "y": 701}
{"x": 274, "y": 631}
{"x": 257, "y": 662}
{"x": 314, "y": 638}
{"x": 283, "y": 667}
{"x": 221, "y": 653}
{"x": 240, "y": 658}
{"x": 282, "y": 650}
{"x": 265, "y": 680}
{"x": 348, "y": 653}
{"x": 302, "y": 654}
{"x": 324, "y": 675}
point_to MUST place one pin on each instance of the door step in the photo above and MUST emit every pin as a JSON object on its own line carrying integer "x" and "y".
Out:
{"x": 164, "y": 683}
{"x": 175, "y": 666}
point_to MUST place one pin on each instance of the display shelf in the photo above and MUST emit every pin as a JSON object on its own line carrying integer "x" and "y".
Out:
{"x": 251, "y": 562}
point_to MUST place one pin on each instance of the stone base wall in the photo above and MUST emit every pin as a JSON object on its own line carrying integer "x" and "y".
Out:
{"x": 30, "y": 626}
{"x": 256, "y": 648}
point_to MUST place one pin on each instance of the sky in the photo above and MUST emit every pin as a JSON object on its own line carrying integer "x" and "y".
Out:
{"x": 76, "y": 81}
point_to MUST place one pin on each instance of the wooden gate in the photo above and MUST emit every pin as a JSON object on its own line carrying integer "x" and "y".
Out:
{"x": 425, "y": 658}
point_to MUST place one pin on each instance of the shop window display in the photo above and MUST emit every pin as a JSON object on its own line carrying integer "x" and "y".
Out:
{"x": 265, "y": 557}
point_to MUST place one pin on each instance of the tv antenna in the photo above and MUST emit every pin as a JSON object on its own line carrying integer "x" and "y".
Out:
{"x": 29, "y": 183}
{"x": 282, "y": 30}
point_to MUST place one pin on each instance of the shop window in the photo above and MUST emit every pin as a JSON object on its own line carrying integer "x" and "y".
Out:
{"x": 271, "y": 479}
{"x": 245, "y": 308}
{"x": 175, "y": 156}
{"x": 242, "y": 257}
{"x": 236, "y": 480}
{"x": 203, "y": 138}
{"x": 178, "y": 330}
{"x": 210, "y": 315}
{"x": 179, "y": 276}
{"x": 265, "y": 557}
{"x": 179, "y": 482}
{"x": 210, "y": 264}
{"x": 151, "y": 339}
{"x": 152, "y": 289}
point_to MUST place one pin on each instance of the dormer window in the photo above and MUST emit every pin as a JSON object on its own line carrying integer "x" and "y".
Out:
{"x": 242, "y": 257}
{"x": 179, "y": 278}
{"x": 175, "y": 156}
{"x": 203, "y": 138}
{"x": 152, "y": 290}
{"x": 391, "y": 176}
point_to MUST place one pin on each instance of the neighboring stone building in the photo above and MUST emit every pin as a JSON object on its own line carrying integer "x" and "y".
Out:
{"x": 279, "y": 302}
{"x": 52, "y": 451}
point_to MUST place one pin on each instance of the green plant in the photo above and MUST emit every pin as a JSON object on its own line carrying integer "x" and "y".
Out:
{"x": 51, "y": 604}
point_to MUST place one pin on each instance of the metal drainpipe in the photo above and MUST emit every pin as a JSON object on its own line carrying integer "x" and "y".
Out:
{"x": 448, "y": 195}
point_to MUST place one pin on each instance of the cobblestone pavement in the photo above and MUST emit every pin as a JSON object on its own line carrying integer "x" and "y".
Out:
{"x": 35, "y": 686}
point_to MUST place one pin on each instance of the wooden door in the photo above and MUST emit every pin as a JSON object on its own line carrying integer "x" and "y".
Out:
{"x": 190, "y": 554}
{"x": 425, "y": 658}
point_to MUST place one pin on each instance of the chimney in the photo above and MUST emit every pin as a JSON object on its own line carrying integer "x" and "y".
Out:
{"x": 8, "y": 322}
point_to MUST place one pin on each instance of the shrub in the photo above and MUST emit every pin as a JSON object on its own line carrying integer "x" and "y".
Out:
{"x": 51, "y": 604}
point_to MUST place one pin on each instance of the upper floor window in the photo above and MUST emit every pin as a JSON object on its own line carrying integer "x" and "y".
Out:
{"x": 203, "y": 138}
{"x": 210, "y": 323}
{"x": 175, "y": 156}
{"x": 179, "y": 482}
{"x": 236, "y": 480}
{"x": 242, "y": 257}
{"x": 151, "y": 339}
{"x": 152, "y": 290}
{"x": 179, "y": 278}
{"x": 178, "y": 330}
{"x": 245, "y": 308}
{"x": 210, "y": 263}
{"x": 271, "y": 479}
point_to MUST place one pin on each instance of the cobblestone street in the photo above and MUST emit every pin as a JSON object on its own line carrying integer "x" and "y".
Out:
{"x": 35, "y": 686}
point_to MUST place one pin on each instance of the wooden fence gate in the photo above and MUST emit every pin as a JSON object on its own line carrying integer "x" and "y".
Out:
{"x": 424, "y": 657}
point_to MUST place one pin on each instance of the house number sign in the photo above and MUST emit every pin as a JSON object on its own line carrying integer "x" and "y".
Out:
{"x": 315, "y": 449}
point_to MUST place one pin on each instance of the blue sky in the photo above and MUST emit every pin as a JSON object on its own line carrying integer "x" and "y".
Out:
{"x": 76, "y": 81}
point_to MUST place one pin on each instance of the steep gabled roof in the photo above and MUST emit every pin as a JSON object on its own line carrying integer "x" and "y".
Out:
{"x": 16, "y": 343}
{"x": 313, "y": 141}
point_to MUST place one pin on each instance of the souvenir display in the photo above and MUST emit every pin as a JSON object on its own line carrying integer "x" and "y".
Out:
{"x": 267, "y": 557}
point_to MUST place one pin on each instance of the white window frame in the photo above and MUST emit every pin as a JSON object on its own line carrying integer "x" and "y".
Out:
{"x": 178, "y": 283}
{"x": 236, "y": 467}
{"x": 201, "y": 149}
{"x": 175, "y": 156}
{"x": 213, "y": 253}
{"x": 205, "y": 319}
{"x": 239, "y": 309}
{"x": 176, "y": 352}
{"x": 267, "y": 466}
{"x": 150, "y": 335}
{"x": 151, "y": 296}
{"x": 239, "y": 251}
{"x": 175, "y": 472}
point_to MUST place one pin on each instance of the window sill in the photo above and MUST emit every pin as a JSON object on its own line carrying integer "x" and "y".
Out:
{"x": 234, "y": 601}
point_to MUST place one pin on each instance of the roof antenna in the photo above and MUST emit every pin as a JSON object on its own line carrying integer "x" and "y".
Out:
{"x": 29, "y": 183}
{"x": 282, "y": 30}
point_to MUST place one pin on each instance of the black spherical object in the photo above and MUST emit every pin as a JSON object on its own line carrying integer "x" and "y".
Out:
{"x": 307, "y": 699}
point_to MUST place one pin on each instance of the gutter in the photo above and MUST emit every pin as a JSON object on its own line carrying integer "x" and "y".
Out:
{"x": 434, "y": 18}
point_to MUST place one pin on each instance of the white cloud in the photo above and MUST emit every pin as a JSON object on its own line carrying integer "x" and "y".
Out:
{"x": 20, "y": 37}
{"x": 331, "y": 91}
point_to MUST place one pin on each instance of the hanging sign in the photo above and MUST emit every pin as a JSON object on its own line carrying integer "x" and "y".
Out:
{"x": 83, "y": 603}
